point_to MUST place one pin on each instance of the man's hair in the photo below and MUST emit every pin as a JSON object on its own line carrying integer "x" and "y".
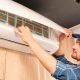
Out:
{"x": 78, "y": 41}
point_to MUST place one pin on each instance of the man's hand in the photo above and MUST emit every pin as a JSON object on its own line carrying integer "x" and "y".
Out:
{"x": 24, "y": 33}
{"x": 62, "y": 36}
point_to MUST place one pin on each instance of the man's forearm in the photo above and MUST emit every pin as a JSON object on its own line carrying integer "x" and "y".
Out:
{"x": 62, "y": 37}
{"x": 60, "y": 51}
{"x": 46, "y": 59}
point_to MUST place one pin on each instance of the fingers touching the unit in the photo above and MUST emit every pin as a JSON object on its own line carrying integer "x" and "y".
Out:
{"x": 62, "y": 36}
{"x": 68, "y": 31}
{"x": 24, "y": 33}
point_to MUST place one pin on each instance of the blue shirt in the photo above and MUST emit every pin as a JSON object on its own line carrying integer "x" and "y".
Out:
{"x": 66, "y": 70}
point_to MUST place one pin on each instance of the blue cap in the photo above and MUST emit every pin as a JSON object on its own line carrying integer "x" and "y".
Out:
{"x": 76, "y": 35}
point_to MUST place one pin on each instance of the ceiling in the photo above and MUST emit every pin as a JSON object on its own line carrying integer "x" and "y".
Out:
{"x": 64, "y": 12}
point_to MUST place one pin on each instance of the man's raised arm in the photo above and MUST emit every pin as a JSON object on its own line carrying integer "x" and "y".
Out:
{"x": 62, "y": 36}
{"x": 48, "y": 61}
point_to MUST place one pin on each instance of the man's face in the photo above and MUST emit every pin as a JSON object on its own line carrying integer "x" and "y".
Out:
{"x": 76, "y": 50}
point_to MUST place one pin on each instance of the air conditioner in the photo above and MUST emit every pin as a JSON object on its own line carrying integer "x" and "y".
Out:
{"x": 9, "y": 39}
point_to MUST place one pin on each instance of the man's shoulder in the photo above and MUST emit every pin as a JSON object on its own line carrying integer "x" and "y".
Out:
{"x": 63, "y": 59}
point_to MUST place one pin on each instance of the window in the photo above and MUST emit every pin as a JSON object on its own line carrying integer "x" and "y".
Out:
{"x": 19, "y": 21}
{"x": 29, "y": 24}
{"x": 3, "y": 16}
{"x": 11, "y": 19}
{"x": 45, "y": 28}
{"x": 38, "y": 30}
{"x": 45, "y": 31}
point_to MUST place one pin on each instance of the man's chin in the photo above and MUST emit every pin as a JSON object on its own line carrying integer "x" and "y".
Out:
{"x": 73, "y": 55}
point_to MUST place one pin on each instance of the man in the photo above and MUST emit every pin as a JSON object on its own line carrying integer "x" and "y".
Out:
{"x": 59, "y": 67}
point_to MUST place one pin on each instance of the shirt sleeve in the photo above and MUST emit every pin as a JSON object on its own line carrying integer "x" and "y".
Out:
{"x": 63, "y": 59}
{"x": 59, "y": 57}
{"x": 64, "y": 72}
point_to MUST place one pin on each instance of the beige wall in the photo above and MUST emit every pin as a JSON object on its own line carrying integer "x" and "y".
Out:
{"x": 20, "y": 66}
{"x": 2, "y": 63}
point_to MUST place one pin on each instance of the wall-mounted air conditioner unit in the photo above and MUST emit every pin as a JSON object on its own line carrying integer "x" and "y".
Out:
{"x": 44, "y": 30}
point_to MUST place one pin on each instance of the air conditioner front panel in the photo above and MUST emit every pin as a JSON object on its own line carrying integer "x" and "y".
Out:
{"x": 7, "y": 33}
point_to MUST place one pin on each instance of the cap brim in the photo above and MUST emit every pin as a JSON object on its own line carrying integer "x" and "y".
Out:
{"x": 76, "y": 35}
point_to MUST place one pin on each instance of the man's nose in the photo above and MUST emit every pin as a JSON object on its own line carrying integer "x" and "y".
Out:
{"x": 74, "y": 47}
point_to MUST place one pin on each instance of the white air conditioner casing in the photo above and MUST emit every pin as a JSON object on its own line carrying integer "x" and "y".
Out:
{"x": 9, "y": 39}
